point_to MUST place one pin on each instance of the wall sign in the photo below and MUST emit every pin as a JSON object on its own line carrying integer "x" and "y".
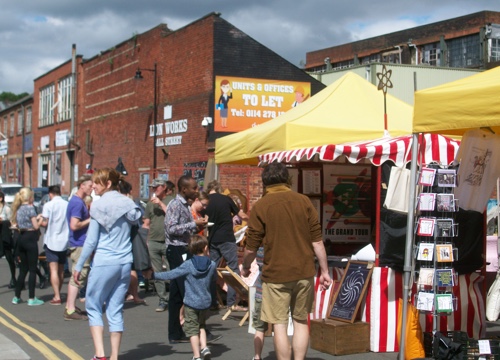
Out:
{"x": 241, "y": 103}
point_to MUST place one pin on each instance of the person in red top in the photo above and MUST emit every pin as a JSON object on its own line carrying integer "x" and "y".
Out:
{"x": 198, "y": 209}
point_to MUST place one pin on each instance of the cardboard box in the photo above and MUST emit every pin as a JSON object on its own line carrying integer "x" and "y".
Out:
{"x": 340, "y": 338}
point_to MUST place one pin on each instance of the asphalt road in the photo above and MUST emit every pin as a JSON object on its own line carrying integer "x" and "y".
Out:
{"x": 40, "y": 332}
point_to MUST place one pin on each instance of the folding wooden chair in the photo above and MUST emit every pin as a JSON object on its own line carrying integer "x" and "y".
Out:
{"x": 236, "y": 282}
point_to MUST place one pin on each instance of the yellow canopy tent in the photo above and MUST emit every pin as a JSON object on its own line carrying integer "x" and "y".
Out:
{"x": 458, "y": 106}
{"x": 350, "y": 109}
{"x": 452, "y": 108}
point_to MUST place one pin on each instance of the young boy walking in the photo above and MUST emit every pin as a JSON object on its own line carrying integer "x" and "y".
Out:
{"x": 198, "y": 273}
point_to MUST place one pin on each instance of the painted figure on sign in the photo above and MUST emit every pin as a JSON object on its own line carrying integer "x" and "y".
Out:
{"x": 222, "y": 104}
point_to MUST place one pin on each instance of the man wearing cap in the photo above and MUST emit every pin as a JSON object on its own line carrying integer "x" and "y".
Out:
{"x": 154, "y": 219}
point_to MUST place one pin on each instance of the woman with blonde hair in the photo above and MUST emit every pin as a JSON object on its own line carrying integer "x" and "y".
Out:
{"x": 28, "y": 223}
{"x": 108, "y": 238}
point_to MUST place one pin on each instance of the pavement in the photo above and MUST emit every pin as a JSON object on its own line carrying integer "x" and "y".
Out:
{"x": 41, "y": 333}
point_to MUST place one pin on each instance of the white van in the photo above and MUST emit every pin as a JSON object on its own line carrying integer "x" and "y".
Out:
{"x": 10, "y": 190}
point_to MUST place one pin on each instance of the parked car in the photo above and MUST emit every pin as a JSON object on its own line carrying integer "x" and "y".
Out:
{"x": 10, "y": 190}
{"x": 41, "y": 197}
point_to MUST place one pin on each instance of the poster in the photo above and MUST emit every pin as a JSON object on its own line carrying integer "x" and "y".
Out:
{"x": 347, "y": 203}
{"x": 311, "y": 182}
{"x": 242, "y": 103}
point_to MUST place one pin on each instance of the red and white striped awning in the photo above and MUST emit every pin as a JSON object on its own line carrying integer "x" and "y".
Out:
{"x": 436, "y": 149}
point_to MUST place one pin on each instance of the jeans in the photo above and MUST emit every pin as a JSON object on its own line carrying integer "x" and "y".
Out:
{"x": 174, "y": 258}
{"x": 228, "y": 251}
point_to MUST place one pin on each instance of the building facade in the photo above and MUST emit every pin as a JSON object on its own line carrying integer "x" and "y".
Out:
{"x": 470, "y": 41}
{"x": 150, "y": 106}
{"x": 16, "y": 141}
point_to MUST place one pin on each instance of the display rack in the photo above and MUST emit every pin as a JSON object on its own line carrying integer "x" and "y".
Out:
{"x": 435, "y": 232}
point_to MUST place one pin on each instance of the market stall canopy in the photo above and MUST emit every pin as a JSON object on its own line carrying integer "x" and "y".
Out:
{"x": 453, "y": 108}
{"x": 350, "y": 109}
{"x": 436, "y": 149}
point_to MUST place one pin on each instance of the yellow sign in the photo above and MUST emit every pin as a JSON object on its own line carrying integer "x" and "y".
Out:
{"x": 241, "y": 103}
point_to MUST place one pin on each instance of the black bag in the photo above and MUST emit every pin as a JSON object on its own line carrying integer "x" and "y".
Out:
{"x": 140, "y": 250}
{"x": 446, "y": 349}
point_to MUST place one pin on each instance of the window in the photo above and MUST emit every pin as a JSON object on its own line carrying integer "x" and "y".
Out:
{"x": 46, "y": 113}
{"x": 371, "y": 59}
{"x": 494, "y": 50}
{"x": 432, "y": 54}
{"x": 19, "y": 122}
{"x": 5, "y": 126}
{"x": 64, "y": 99}
{"x": 12, "y": 124}
{"x": 28, "y": 119}
{"x": 464, "y": 52}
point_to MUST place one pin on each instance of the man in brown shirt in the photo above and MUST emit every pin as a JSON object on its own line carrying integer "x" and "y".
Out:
{"x": 286, "y": 224}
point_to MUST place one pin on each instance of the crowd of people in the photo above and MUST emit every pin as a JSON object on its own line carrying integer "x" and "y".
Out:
{"x": 189, "y": 234}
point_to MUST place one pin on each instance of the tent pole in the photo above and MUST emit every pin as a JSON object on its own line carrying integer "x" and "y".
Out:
{"x": 409, "y": 244}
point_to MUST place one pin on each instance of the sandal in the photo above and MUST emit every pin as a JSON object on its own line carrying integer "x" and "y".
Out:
{"x": 239, "y": 308}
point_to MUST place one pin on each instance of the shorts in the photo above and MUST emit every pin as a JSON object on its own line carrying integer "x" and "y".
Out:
{"x": 278, "y": 298}
{"x": 59, "y": 257}
{"x": 194, "y": 320}
{"x": 75, "y": 253}
{"x": 257, "y": 323}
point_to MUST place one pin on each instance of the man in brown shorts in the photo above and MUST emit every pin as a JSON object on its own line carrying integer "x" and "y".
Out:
{"x": 289, "y": 224}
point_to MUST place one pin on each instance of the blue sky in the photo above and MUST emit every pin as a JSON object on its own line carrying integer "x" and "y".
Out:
{"x": 36, "y": 36}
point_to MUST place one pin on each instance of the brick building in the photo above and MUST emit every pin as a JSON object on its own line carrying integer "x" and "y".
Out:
{"x": 15, "y": 130}
{"x": 115, "y": 113}
{"x": 470, "y": 41}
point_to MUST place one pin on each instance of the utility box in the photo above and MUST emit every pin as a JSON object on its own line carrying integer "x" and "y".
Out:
{"x": 340, "y": 338}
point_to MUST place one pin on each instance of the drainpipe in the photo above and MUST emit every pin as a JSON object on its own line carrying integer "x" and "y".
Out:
{"x": 22, "y": 145}
{"x": 416, "y": 51}
{"x": 73, "y": 115}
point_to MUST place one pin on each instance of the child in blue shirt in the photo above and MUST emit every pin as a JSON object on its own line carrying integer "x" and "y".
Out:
{"x": 198, "y": 273}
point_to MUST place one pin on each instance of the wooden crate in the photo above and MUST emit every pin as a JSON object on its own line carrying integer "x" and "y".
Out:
{"x": 340, "y": 338}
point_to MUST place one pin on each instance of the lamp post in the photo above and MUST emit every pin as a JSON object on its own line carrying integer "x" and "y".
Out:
{"x": 138, "y": 76}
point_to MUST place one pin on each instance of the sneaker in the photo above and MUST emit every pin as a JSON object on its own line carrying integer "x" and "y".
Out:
{"x": 35, "y": 302}
{"x": 80, "y": 311}
{"x": 16, "y": 300}
{"x": 162, "y": 306}
{"x": 206, "y": 354}
{"x": 142, "y": 284}
{"x": 183, "y": 339}
{"x": 74, "y": 316}
{"x": 196, "y": 358}
{"x": 212, "y": 338}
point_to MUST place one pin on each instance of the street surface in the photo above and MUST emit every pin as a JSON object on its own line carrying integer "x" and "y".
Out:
{"x": 42, "y": 333}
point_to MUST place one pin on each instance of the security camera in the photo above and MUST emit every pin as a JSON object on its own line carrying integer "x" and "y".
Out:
{"x": 206, "y": 121}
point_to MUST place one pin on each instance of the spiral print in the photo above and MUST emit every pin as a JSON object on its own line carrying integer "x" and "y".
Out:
{"x": 351, "y": 288}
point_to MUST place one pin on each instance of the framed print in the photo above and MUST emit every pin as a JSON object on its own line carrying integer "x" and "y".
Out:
{"x": 445, "y": 228}
{"x": 311, "y": 181}
{"x": 425, "y": 251}
{"x": 347, "y": 203}
{"x": 445, "y": 202}
{"x": 349, "y": 296}
{"x": 444, "y": 253}
{"x": 426, "y": 201}
{"x": 425, "y": 301}
{"x": 444, "y": 303}
{"x": 444, "y": 277}
{"x": 427, "y": 176}
{"x": 447, "y": 177}
{"x": 426, "y": 226}
{"x": 425, "y": 277}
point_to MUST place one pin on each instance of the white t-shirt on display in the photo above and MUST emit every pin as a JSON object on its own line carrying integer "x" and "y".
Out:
{"x": 479, "y": 158}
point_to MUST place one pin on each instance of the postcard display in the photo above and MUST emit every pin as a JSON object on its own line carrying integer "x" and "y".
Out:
{"x": 435, "y": 231}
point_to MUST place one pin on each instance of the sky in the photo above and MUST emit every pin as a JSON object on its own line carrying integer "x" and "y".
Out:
{"x": 37, "y": 36}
